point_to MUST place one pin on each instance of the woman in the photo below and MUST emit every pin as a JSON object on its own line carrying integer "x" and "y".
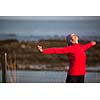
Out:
{"x": 76, "y": 55}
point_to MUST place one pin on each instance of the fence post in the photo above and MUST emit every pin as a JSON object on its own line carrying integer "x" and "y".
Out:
{"x": 4, "y": 65}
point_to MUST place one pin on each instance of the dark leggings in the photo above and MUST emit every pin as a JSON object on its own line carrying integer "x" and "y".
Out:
{"x": 75, "y": 79}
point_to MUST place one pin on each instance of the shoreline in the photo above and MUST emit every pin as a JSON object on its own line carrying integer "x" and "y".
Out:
{"x": 63, "y": 70}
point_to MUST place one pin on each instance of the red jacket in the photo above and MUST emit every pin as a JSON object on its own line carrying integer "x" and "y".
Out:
{"x": 76, "y": 55}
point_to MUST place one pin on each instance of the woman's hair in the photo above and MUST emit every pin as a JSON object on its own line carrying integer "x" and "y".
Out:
{"x": 68, "y": 39}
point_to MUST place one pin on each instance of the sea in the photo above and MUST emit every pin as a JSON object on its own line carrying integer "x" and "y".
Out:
{"x": 47, "y": 77}
{"x": 37, "y": 29}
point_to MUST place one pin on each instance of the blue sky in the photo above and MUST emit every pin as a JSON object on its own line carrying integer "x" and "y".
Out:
{"x": 50, "y": 17}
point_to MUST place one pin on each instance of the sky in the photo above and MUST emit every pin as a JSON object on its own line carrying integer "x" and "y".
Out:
{"x": 50, "y": 17}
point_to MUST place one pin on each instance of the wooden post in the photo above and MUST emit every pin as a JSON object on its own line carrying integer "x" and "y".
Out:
{"x": 14, "y": 69}
{"x": 4, "y": 64}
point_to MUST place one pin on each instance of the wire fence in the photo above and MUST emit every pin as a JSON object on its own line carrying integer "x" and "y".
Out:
{"x": 8, "y": 68}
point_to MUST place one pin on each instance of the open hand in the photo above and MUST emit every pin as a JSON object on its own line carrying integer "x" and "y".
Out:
{"x": 93, "y": 42}
{"x": 40, "y": 48}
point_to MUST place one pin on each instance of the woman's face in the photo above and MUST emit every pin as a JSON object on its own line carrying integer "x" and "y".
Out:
{"x": 74, "y": 38}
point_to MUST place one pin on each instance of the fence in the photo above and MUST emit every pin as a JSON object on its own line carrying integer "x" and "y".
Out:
{"x": 8, "y": 68}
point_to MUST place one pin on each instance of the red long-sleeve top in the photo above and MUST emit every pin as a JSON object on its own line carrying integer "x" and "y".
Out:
{"x": 76, "y": 55}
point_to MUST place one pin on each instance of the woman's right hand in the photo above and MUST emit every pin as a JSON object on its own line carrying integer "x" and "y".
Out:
{"x": 40, "y": 48}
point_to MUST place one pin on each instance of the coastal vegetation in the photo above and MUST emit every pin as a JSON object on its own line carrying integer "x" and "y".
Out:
{"x": 26, "y": 55}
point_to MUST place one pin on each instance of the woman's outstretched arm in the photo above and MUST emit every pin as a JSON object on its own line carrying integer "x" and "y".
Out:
{"x": 88, "y": 45}
{"x": 62, "y": 50}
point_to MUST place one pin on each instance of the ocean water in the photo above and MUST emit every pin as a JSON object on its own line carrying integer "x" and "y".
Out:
{"x": 50, "y": 77}
{"x": 50, "y": 27}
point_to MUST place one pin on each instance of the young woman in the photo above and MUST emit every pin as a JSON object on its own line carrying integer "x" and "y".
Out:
{"x": 76, "y": 55}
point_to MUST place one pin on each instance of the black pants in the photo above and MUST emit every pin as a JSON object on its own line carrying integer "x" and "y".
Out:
{"x": 75, "y": 79}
